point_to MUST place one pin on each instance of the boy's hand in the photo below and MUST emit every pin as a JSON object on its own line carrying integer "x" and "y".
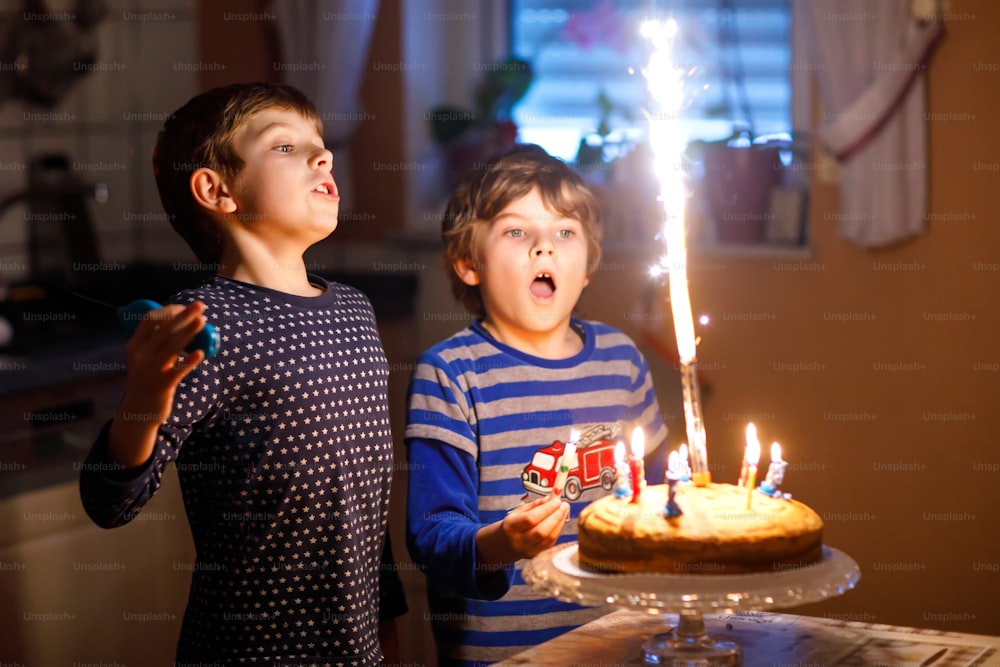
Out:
{"x": 155, "y": 364}
{"x": 534, "y": 527}
{"x": 155, "y": 368}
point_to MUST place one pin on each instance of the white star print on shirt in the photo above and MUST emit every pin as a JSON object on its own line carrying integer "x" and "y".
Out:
{"x": 251, "y": 472}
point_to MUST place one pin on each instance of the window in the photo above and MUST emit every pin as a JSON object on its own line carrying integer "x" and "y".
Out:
{"x": 584, "y": 52}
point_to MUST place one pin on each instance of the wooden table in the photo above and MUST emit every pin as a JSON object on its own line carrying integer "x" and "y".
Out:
{"x": 768, "y": 639}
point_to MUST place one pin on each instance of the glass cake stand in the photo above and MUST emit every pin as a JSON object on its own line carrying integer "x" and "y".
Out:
{"x": 556, "y": 572}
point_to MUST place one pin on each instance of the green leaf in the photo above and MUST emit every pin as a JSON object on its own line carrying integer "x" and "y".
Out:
{"x": 447, "y": 123}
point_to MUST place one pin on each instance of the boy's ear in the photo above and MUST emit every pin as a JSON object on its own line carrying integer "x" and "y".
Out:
{"x": 210, "y": 191}
{"x": 463, "y": 268}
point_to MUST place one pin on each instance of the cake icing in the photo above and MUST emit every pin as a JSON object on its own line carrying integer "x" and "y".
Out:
{"x": 716, "y": 534}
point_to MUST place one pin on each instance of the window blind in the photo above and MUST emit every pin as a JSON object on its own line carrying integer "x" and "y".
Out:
{"x": 580, "y": 49}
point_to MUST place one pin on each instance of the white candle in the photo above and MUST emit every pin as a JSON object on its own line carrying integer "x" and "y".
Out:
{"x": 621, "y": 472}
{"x": 566, "y": 462}
{"x": 685, "y": 466}
{"x": 673, "y": 465}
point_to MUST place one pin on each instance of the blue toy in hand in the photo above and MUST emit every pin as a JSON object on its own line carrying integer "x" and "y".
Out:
{"x": 207, "y": 340}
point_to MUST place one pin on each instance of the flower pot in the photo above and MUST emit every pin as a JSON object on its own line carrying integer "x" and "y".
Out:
{"x": 738, "y": 182}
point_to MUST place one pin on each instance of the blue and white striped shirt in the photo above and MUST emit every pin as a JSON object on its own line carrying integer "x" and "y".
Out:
{"x": 481, "y": 416}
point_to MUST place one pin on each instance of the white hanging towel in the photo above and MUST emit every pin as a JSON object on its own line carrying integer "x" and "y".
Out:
{"x": 872, "y": 58}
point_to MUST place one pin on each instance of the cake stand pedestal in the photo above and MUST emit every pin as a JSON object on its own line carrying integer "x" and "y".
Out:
{"x": 556, "y": 572}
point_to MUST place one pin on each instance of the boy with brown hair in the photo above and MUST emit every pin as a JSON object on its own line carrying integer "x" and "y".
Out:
{"x": 282, "y": 440}
{"x": 491, "y": 406}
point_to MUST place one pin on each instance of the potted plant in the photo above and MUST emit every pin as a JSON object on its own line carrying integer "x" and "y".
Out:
{"x": 466, "y": 135}
{"x": 739, "y": 171}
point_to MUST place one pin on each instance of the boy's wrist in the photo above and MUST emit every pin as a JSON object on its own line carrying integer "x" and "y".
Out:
{"x": 139, "y": 413}
{"x": 494, "y": 546}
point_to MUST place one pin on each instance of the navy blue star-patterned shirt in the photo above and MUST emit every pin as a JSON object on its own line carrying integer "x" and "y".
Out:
{"x": 284, "y": 454}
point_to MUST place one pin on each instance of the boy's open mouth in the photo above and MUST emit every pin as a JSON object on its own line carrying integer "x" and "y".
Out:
{"x": 543, "y": 286}
{"x": 327, "y": 188}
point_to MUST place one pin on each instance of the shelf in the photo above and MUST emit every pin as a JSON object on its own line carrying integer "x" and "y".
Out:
{"x": 753, "y": 251}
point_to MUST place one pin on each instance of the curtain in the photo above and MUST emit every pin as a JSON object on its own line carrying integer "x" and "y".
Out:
{"x": 870, "y": 60}
{"x": 324, "y": 48}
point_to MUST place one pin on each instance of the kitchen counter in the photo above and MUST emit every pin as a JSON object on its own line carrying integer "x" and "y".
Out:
{"x": 55, "y": 401}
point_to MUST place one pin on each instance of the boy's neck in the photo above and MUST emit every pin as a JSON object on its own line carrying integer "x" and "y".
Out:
{"x": 561, "y": 342}
{"x": 267, "y": 269}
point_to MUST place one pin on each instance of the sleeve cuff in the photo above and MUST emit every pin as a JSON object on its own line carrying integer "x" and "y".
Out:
{"x": 99, "y": 464}
{"x": 494, "y": 585}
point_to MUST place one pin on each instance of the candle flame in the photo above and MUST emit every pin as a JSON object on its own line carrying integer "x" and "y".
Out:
{"x": 619, "y": 453}
{"x": 751, "y": 434}
{"x": 775, "y": 451}
{"x": 753, "y": 453}
{"x": 638, "y": 443}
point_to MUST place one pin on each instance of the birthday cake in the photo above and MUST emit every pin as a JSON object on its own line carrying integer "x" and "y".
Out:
{"x": 716, "y": 533}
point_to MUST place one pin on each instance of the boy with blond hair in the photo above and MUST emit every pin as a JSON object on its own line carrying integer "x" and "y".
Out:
{"x": 489, "y": 405}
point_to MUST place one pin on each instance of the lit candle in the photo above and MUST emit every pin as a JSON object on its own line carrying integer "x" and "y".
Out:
{"x": 635, "y": 465}
{"x": 566, "y": 462}
{"x": 753, "y": 458}
{"x": 751, "y": 440}
{"x": 667, "y": 141}
{"x": 673, "y": 465}
{"x": 775, "y": 472}
{"x": 621, "y": 471}
{"x": 685, "y": 467}
{"x": 677, "y": 464}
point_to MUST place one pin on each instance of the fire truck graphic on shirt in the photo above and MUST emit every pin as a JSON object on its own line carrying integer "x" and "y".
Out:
{"x": 594, "y": 466}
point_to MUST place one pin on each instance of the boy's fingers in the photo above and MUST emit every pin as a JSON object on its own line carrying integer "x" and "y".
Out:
{"x": 186, "y": 364}
{"x": 553, "y": 523}
{"x": 170, "y": 335}
{"x": 541, "y": 500}
{"x": 532, "y": 515}
{"x": 538, "y": 509}
{"x": 529, "y": 506}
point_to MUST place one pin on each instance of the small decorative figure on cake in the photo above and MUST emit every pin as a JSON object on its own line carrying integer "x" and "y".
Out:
{"x": 636, "y": 467}
{"x": 775, "y": 474}
{"x": 621, "y": 472}
{"x": 673, "y": 510}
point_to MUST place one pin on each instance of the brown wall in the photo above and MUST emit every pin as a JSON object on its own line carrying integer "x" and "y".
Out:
{"x": 237, "y": 50}
{"x": 850, "y": 420}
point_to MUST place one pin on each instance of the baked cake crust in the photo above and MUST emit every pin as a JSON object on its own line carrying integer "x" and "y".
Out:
{"x": 716, "y": 534}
